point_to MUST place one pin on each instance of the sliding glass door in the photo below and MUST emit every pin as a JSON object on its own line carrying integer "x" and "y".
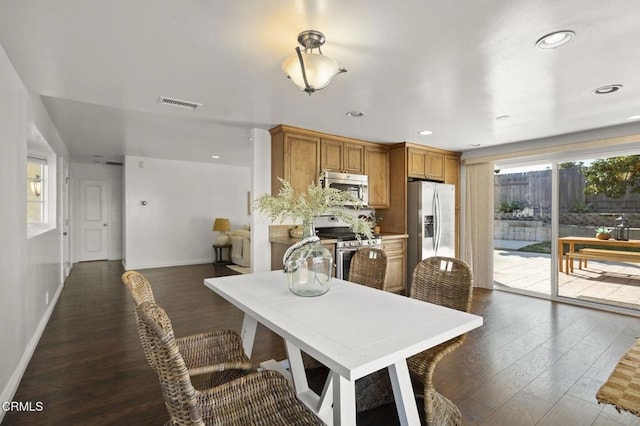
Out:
{"x": 596, "y": 197}
{"x": 546, "y": 219}
{"x": 522, "y": 228}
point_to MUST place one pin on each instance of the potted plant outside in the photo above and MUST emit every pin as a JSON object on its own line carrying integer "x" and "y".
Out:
{"x": 603, "y": 233}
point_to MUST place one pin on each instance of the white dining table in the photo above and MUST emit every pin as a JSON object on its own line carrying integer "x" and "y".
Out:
{"x": 354, "y": 330}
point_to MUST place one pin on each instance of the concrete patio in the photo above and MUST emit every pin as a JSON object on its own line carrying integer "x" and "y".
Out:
{"x": 604, "y": 282}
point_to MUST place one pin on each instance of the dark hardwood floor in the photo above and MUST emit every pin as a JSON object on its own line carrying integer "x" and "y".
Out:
{"x": 533, "y": 361}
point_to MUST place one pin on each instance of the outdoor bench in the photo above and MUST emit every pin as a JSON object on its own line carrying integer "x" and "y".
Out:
{"x": 599, "y": 254}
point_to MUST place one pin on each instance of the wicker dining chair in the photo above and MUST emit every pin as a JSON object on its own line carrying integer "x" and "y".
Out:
{"x": 447, "y": 282}
{"x": 369, "y": 267}
{"x": 222, "y": 348}
{"x": 263, "y": 398}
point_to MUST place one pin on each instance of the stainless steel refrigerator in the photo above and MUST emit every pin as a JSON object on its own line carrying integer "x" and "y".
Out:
{"x": 430, "y": 222}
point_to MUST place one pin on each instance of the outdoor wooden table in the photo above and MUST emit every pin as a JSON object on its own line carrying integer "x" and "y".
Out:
{"x": 589, "y": 241}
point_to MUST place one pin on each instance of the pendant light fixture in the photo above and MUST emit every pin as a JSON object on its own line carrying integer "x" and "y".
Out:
{"x": 36, "y": 186}
{"x": 310, "y": 70}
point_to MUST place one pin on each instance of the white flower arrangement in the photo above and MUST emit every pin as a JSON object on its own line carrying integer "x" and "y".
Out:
{"x": 307, "y": 206}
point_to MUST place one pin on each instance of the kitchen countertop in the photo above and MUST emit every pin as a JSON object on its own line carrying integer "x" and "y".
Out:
{"x": 390, "y": 235}
{"x": 290, "y": 240}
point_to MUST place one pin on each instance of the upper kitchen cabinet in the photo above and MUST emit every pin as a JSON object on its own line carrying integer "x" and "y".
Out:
{"x": 408, "y": 161}
{"x": 341, "y": 156}
{"x": 425, "y": 164}
{"x": 295, "y": 157}
{"x": 299, "y": 155}
{"x": 376, "y": 164}
{"x": 452, "y": 169}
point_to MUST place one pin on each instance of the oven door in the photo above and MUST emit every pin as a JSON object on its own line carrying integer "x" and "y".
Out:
{"x": 343, "y": 261}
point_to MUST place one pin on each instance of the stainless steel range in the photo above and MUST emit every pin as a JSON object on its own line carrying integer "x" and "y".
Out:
{"x": 348, "y": 243}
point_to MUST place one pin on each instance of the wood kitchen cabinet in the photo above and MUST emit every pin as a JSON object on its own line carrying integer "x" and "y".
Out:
{"x": 299, "y": 155}
{"x": 340, "y": 156}
{"x": 425, "y": 164}
{"x": 376, "y": 163}
{"x": 295, "y": 157}
{"x": 395, "y": 247}
{"x": 408, "y": 161}
{"x": 452, "y": 176}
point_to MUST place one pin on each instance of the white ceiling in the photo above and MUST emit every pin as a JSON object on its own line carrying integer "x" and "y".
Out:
{"x": 450, "y": 67}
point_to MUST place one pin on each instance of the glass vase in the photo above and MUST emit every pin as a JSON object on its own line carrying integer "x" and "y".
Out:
{"x": 308, "y": 264}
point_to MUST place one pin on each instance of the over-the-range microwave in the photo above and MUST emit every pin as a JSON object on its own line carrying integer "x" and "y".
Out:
{"x": 356, "y": 185}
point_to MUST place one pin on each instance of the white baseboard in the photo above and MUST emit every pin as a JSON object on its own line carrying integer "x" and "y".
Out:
{"x": 134, "y": 267}
{"x": 14, "y": 381}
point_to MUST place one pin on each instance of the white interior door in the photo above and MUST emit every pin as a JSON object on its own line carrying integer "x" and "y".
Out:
{"x": 93, "y": 211}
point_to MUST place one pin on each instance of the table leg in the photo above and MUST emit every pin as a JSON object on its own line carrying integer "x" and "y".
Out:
{"x": 560, "y": 255}
{"x": 319, "y": 404}
{"x": 297, "y": 368}
{"x": 344, "y": 400}
{"x": 570, "y": 259}
{"x": 248, "y": 333}
{"x": 403, "y": 393}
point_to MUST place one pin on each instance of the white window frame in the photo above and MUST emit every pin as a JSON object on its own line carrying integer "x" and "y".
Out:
{"x": 49, "y": 193}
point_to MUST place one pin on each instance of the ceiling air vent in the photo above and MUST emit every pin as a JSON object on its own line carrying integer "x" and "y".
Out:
{"x": 178, "y": 103}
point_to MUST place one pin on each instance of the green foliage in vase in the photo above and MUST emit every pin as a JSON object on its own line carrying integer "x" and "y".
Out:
{"x": 603, "y": 230}
{"x": 307, "y": 206}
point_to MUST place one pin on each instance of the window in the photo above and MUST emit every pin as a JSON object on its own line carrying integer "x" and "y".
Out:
{"x": 36, "y": 191}
{"x": 40, "y": 184}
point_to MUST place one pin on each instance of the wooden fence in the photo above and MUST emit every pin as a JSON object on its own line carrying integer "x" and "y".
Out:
{"x": 533, "y": 189}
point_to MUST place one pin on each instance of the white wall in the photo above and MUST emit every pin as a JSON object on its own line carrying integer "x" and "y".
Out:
{"x": 261, "y": 140}
{"x": 30, "y": 268}
{"x": 182, "y": 199}
{"x": 112, "y": 174}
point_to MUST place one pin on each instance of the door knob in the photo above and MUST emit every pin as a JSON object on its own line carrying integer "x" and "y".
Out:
{"x": 65, "y": 233}
{"x": 104, "y": 224}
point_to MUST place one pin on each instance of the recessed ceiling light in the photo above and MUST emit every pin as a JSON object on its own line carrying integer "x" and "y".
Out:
{"x": 633, "y": 117}
{"x": 605, "y": 90}
{"x": 555, "y": 39}
{"x": 474, "y": 145}
{"x": 425, "y": 132}
{"x": 355, "y": 114}
{"x": 215, "y": 157}
{"x": 503, "y": 117}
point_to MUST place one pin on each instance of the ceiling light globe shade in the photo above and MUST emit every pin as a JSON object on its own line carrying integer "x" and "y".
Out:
{"x": 320, "y": 70}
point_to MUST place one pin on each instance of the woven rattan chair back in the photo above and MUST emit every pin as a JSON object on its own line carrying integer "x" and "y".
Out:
{"x": 444, "y": 281}
{"x": 447, "y": 282}
{"x": 138, "y": 286}
{"x": 259, "y": 398}
{"x": 369, "y": 267}
{"x": 177, "y": 389}
{"x": 140, "y": 291}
